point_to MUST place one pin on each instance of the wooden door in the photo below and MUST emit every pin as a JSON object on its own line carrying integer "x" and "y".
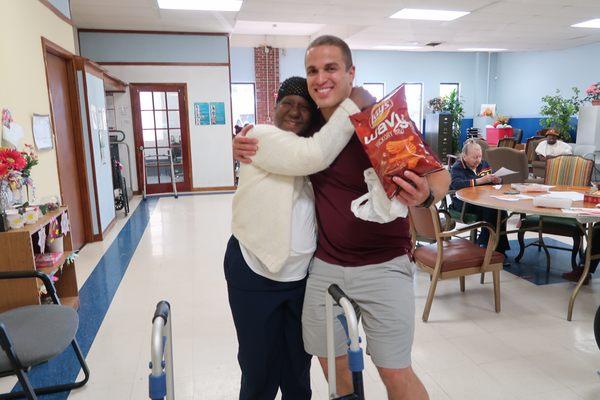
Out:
{"x": 160, "y": 124}
{"x": 61, "y": 84}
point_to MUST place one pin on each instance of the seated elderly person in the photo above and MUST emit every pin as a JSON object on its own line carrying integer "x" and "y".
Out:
{"x": 468, "y": 171}
{"x": 552, "y": 147}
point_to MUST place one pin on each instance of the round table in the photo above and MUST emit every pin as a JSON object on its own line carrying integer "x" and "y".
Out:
{"x": 482, "y": 196}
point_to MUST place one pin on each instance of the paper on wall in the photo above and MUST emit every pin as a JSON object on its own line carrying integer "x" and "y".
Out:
{"x": 42, "y": 131}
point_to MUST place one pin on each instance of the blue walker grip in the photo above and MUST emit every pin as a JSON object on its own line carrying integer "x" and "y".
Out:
{"x": 158, "y": 386}
{"x": 355, "y": 360}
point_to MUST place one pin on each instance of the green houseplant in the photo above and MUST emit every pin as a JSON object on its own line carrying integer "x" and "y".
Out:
{"x": 558, "y": 111}
{"x": 453, "y": 105}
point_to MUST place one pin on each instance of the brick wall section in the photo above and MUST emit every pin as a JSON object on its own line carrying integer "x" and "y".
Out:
{"x": 266, "y": 71}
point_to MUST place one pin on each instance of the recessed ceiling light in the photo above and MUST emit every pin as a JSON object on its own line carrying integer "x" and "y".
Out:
{"x": 592, "y": 23}
{"x": 482, "y": 49}
{"x": 201, "y": 5}
{"x": 429, "y": 15}
{"x": 384, "y": 47}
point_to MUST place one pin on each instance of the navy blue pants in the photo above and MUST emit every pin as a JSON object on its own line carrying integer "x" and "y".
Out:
{"x": 267, "y": 317}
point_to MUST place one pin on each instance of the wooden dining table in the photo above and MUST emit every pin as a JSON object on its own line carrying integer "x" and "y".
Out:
{"x": 582, "y": 212}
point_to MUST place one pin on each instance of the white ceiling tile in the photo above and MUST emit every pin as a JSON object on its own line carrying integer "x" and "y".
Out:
{"x": 516, "y": 24}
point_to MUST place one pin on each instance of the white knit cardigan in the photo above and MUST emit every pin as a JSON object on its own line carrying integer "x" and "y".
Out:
{"x": 262, "y": 205}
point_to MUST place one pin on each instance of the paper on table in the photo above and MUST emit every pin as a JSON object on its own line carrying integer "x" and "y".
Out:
{"x": 513, "y": 197}
{"x": 503, "y": 172}
{"x": 497, "y": 187}
{"x": 575, "y": 196}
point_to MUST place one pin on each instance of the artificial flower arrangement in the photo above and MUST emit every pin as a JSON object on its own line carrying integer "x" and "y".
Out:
{"x": 593, "y": 93}
{"x": 501, "y": 122}
{"x": 436, "y": 104}
{"x": 15, "y": 167}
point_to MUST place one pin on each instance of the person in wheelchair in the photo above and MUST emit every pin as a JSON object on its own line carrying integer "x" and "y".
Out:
{"x": 469, "y": 171}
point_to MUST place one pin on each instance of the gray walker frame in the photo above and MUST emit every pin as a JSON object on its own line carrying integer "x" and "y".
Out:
{"x": 355, "y": 354}
{"x": 161, "y": 351}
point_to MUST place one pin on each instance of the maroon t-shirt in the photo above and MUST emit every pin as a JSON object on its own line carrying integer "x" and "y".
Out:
{"x": 344, "y": 239}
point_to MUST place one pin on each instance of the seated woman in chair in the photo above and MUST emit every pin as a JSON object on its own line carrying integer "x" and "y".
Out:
{"x": 470, "y": 170}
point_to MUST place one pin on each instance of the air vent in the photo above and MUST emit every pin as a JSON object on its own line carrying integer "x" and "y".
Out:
{"x": 433, "y": 44}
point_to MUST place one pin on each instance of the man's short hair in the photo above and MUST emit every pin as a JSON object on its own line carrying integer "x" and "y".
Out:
{"x": 330, "y": 40}
{"x": 468, "y": 144}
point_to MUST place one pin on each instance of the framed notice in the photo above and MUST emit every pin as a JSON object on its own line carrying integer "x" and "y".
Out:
{"x": 212, "y": 113}
{"x": 42, "y": 132}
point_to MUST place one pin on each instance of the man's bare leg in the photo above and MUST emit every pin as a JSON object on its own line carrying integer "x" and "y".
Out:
{"x": 343, "y": 376}
{"x": 402, "y": 384}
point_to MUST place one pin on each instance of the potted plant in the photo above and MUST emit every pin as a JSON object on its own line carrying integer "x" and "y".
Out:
{"x": 558, "y": 111}
{"x": 453, "y": 105}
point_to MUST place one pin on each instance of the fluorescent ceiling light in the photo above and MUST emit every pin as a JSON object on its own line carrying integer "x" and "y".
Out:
{"x": 483, "y": 49}
{"x": 429, "y": 15}
{"x": 592, "y": 23}
{"x": 201, "y": 5}
{"x": 384, "y": 47}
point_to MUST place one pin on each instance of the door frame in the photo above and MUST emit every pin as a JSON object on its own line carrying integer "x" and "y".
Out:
{"x": 184, "y": 126}
{"x": 56, "y": 50}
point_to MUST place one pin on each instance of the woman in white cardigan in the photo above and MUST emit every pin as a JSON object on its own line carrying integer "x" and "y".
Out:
{"x": 274, "y": 238}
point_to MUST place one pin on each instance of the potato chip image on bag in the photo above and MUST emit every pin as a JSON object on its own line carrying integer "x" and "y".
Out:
{"x": 392, "y": 141}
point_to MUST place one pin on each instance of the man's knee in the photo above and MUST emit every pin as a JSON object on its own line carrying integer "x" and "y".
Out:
{"x": 397, "y": 376}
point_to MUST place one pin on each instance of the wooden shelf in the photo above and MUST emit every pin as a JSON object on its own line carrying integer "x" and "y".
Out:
{"x": 17, "y": 254}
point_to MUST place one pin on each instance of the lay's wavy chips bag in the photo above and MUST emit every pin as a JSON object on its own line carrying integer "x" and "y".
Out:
{"x": 392, "y": 140}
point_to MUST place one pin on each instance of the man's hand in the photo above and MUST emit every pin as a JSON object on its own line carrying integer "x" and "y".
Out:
{"x": 495, "y": 179}
{"x": 361, "y": 97}
{"x": 414, "y": 189}
{"x": 244, "y": 147}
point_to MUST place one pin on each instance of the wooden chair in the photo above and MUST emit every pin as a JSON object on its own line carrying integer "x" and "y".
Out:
{"x": 536, "y": 167}
{"x": 484, "y": 146}
{"x": 515, "y": 160}
{"x": 454, "y": 258}
{"x": 507, "y": 142}
{"x": 561, "y": 170}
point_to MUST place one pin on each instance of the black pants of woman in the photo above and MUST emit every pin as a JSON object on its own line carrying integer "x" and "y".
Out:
{"x": 267, "y": 317}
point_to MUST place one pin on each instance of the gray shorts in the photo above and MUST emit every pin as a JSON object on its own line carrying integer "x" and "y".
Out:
{"x": 385, "y": 295}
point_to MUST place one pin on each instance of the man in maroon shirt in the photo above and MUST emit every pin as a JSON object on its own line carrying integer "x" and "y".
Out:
{"x": 368, "y": 260}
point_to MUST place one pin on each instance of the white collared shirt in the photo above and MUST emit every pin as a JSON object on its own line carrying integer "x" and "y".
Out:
{"x": 559, "y": 148}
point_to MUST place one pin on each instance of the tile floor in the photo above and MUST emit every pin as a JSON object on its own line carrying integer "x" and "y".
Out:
{"x": 466, "y": 351}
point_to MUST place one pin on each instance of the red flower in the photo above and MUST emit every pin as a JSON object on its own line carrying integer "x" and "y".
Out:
{"x": 3, "y": 170}
{"x": 13, "y": 159}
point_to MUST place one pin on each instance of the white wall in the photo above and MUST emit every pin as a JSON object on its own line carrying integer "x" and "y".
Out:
{"x": 212, "y": 159}
{"x": 522, "y": 79}
{"x": 393, "y": 68}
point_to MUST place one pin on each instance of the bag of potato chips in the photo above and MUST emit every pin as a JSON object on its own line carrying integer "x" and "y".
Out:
{"x": 392, "y": 141}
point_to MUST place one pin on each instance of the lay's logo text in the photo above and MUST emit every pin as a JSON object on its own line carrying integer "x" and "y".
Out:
{"x": 380, "y": 113}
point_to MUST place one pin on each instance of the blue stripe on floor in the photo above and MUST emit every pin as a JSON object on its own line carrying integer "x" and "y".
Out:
{"x": 95, "y": 297}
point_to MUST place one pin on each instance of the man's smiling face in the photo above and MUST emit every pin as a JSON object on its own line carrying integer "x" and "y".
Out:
{"x": 328, "y": 77}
